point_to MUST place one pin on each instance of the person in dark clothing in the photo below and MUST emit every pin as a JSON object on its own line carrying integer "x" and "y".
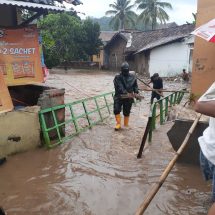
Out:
{"x": 185, "y": 75}
{"x": 2, "y": 212}
{"x": 125, "y": 85}
{"x": 158, "y": 85}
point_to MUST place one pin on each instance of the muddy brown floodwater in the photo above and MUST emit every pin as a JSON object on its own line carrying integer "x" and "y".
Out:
{"x": 97, "y": 172}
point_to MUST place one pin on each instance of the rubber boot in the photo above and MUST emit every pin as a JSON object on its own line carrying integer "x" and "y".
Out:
{"x": 118, "y": 122}
{"x": 126, "y": 120}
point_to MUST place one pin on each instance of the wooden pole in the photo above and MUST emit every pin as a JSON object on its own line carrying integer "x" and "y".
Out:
{"x": 173, "y": 91}
{"x": 144, "y": 137}
{"x": 73, "y": 86}
{"x": 156, "y": 90}
{"x": 156, "y": 186}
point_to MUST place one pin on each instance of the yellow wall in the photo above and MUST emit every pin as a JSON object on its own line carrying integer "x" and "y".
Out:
{"x": 99, "y": 58}
{"x": 203, "y": 74}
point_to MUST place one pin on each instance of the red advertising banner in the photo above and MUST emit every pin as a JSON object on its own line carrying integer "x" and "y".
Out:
{"x": 20, "y": 57}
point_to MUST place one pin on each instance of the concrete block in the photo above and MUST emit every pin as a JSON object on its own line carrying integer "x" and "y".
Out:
{"x": 51, "y": 98}
{"x": 19, "y": 131}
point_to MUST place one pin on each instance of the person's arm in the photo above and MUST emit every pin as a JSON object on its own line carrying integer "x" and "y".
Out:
{"x": 206, "y": 103}
{"x": 151, "y": 80}
{"x": 135, "y": 87}
{"x": 205, "y": 107}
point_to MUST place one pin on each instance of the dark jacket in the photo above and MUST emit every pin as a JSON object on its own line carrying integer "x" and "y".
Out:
{"x": 157, "y": 83}
{"x": 125, "y": 84}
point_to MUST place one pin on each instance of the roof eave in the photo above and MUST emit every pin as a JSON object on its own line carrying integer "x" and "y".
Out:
{"x": 114, "y": 37}
{"x": 161, "y": 44}
{"x": 35, "y": 6}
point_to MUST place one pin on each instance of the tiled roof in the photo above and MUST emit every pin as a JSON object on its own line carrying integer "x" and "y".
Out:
{"x": 106, "y": 36}
{"x": 159, "y": 42}
{"x": 124, "y": 34}
{"x": 167, "y": 25}
{"x": 149, "y": 39}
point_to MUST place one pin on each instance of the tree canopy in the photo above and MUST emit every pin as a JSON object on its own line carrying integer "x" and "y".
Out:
{"x": 194, "y": 19}
{"x": 66, "y": 38}
{"x": 152, "y": 11}
{"x": 123, "y": 16}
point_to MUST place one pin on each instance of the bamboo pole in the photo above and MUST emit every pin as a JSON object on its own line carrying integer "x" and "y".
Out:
{"x": 156, "y": 90}
{"x": 156, "y": 186}
{"x": 81, "y": 91}
{"x": 144, "y": 137}
{"x": 160, "y": 90}
{"x": 169, "y": 91}
{"x": 132, "y": 96}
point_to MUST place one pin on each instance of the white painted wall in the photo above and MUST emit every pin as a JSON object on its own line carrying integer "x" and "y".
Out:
{"x": 169, "y": 60}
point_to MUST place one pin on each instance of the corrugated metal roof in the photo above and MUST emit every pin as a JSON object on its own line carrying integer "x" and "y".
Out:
{"x": 32, "y": 5}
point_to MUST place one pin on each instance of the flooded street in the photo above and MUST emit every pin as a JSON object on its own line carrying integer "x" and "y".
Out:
{"x": 97, "y": 172}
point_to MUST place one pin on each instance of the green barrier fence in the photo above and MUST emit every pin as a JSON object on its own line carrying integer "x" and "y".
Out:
{"x": 164, "y": 104}
{"x": 63, "y": 122}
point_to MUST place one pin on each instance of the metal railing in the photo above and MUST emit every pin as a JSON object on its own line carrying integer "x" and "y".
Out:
{"x": 164, "y": 104}
{"x": 61, "y": 123}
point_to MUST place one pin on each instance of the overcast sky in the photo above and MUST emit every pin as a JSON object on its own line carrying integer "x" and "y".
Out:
{"x": 182, "y": 9}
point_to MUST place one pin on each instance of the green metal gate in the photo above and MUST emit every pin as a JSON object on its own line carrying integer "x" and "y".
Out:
{"x": 63, "y": 122}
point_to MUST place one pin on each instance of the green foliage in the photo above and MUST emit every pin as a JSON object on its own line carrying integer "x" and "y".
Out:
{"x": 66, "y": 38}
{"x": 152, "y": 11}
{"x": 103, "y": 22}
{"x": 92, "y": 42}
{"x": 25, "y": 14}
{"x": 194, "y": 19}
{"x": 123, "y": 16}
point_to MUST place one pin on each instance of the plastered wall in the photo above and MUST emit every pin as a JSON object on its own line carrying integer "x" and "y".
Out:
{"x": 203, "y": 74}
{"x": 20, "y": 131}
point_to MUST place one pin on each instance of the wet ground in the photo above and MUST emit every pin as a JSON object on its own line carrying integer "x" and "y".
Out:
{"x": 97, "y": 172}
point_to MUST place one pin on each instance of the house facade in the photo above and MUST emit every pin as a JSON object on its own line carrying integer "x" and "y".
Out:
{"x": 165, "y": 51}
{"x": 166, "y": 60}
{"x": 115, "y": 51}
{"x": 101, "y": 58}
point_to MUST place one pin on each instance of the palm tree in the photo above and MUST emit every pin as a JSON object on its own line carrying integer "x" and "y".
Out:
{"x": 153, "y": 10}
{"x": 194, "y": 19}
{"x": 122, "y": 14}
